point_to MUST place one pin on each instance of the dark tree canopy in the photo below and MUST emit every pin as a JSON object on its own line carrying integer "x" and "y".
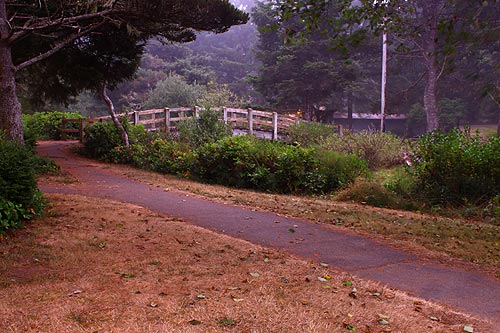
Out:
{"x": 33, "y": 31}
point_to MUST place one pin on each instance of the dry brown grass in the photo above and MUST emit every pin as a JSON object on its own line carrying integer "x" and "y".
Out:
{"x": 100, "y": 266}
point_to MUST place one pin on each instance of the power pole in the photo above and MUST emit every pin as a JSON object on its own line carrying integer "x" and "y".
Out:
{"x": 384, "y": 81}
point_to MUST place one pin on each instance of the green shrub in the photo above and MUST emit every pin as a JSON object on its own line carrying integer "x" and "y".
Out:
{"x": 19, "y": 195}
{"x": 400, "y": 182}
{"x": 162, "y": 154}
{"x": 340, "y": 169}
{"x": 378, "y": 149}
{"x": 274, "y": 167}
{"x": 456, "y": 168}
{"x": 46, "y": 125}
{"x": 103, "y": 141}
{"x": 208, "y": 127}
{"x": 309, "y": 133}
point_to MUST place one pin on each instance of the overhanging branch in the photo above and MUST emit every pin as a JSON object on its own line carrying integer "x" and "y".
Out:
{"x": 59, "y": 46}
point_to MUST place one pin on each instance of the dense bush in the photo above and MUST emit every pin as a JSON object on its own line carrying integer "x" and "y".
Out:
{"x": 46, "y": 125}
{"x": 274, "y": 167}
{"x": 309, "y": 133}
{"x": 208, "y": 127}
{"x": 19, "y": 195}
{"x": 456, "y": 167}
{"x": 103, "y": 141}
{"x": 376, "y": 148}
{"x": 162, "y": 154}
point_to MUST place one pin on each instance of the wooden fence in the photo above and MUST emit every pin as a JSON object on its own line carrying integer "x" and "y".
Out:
{"x": 166, "y": 119}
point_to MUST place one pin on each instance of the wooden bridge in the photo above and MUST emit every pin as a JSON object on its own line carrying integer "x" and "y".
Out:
{"x": 166, "y": 119}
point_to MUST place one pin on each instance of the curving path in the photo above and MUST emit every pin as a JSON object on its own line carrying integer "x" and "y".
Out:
{"x": 469, "y": 292}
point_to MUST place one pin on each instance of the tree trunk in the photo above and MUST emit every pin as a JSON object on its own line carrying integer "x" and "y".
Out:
{"x": 10, "y": 108}
{"x": 498, "y": 126}
{"x": 430, "y": 99}
{"x": 349, "y": 108}
{"x": 112, "y": 113}
{"x": 429, "y": 55}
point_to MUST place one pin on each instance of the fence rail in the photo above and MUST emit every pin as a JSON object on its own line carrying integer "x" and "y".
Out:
{"x": 166, "y": 119}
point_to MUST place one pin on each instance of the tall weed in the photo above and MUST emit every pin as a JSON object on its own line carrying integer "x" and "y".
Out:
{"x": 456, "y": 168}
{"x": 379, "y": 150}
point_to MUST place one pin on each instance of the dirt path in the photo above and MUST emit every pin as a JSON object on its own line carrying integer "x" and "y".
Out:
{"x": 469, "y": 292}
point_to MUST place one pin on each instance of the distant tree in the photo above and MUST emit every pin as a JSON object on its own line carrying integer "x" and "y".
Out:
{"x": 427, "y": 30}
{"x": 174, "y": 91}
{"x": 308, "y": 74}
{"x": 33, "y": 31}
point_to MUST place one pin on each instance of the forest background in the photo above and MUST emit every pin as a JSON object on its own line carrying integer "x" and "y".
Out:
{"x": 256, "y": 65}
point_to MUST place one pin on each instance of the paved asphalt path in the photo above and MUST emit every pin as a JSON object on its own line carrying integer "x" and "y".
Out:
{"x": 469, "y": 292}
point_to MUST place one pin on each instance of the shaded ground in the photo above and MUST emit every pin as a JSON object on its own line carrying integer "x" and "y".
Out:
{"x": 94, "y": 265}
{"x": 363, "y": 257}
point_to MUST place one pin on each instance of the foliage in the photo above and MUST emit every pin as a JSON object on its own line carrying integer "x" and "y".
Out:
{"x": 451, "y": 113}
{"x": 19, "y": 196}
{"x": 309, "y": 133}
{"x": 46, "y": 125}
{"x": 274, "y": 167}
{"x": 103, "y": 141}
{"x": 378, "y": 149}
{"x": 456, "y": 168}
{"x": 207, "y": 128}
{"x": 174, "y": 91}
{"x": 162, "y": 154}
{"x": 218, "y": 95}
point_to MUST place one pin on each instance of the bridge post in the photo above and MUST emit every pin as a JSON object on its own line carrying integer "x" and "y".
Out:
{"x": 167, "y": 119}
{"x": 136, "y": 117}
{"x": 224, "y": 110}
{"x": 275, "y": 126}
{"x": 250, "y": 121}
{"x": 82, "y": 128}
{"x": 196, "y": 112}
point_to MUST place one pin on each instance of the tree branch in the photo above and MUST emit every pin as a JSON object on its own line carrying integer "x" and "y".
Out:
{"x": 413, "y": 84}
{"x": 442, "y": 68}
{"x": 47, "y": 23}
{"x": 58, "y": 47}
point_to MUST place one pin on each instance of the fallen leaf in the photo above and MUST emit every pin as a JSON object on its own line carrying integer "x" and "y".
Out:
{"x": 238, "y": 300}
{"x": 323, "y": 264}
{"x": 349, "y": 327}
{"x": 322, "y": 279}
{"x": 434, "y": 318}
{"x": 153, "y": 305}
{"x": 347, "y": 283}
{"x": 292, "y": 230}
{"x": 194, "y": 322}
{"x": 255, "y": 275}
{"x": 382, "y": 316}
{"x": 128, "y": 276}
{"x": 75, "y": 292}
{"x": 383, "y": 322}
{"x": 469, "y": 329}
{"x": 226, "y": 321}
{"x": 200, "y": 296}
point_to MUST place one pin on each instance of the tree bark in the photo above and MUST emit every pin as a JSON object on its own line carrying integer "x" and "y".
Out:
{"x": 498, "y": 126}
{"x": 349, "y": 108}
{"x": 10, "y": 108}
{"x": 430, "y": 98}
{"x": 112, "y": 113}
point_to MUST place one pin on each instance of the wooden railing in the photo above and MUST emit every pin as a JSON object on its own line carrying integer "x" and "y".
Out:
{"x": 166, "y": 119}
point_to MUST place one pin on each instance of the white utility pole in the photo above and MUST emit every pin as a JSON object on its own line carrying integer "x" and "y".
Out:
{"x": 384, "y": 81}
